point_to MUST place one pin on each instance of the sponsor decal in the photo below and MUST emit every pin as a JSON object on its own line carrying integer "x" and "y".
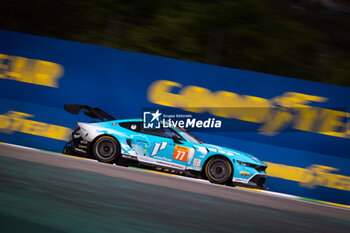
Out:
{"x": 244, "y": 173}
{"x": 196, "y": 162}
{"x": 181, "y": 153}
{"x": 133, "y": 127}
{"x": 28, "y": 70}
{"x": 158, "y": 147}
{"x": 240, "y": 180}
{"x": 162, "y": 158}
{"x": 171, "y": 164}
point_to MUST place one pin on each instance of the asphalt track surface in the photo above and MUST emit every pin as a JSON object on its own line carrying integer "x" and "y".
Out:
{"x": 46, "y": 192}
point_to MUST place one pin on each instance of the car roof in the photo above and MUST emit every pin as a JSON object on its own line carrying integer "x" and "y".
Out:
{"x": 130, "y": 120}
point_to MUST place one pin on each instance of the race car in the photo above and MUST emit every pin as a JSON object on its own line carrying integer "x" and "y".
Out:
{"x": 170, "y": 149}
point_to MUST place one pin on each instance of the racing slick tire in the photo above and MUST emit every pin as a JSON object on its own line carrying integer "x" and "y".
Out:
{"x": 106, "y": 149}
{"x": 219, "y": 170}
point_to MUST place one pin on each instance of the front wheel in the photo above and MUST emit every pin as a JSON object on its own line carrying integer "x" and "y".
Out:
{"x": 106, "y": 149}
{"x": 219, "y": 170}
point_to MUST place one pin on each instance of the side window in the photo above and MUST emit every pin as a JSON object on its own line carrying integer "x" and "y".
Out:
{"x": 157, "y": 132}
{"x": 134, "y": 126}
{"x": 177, "y": 135}
{"x": 168, "y": 133}
{"x": 162, "y": 132}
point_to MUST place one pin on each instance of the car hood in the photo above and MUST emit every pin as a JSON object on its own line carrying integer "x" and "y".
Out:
{"x": 237, "y": 155}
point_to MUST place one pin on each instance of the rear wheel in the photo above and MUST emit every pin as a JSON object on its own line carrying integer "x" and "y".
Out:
{"x": 106, "y": 149}
{"x": 219, "y": 170}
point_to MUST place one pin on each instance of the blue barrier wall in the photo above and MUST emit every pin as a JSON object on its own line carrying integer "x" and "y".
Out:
{"x": 307, "y": 150}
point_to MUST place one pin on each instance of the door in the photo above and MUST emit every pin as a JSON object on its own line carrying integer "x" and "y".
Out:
{"x": 165, "y": 151}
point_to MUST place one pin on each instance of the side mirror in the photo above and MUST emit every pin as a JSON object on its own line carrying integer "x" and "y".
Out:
{"x": 176, "y": 139}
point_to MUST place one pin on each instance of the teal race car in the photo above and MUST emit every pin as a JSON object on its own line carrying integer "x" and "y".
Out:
{"x": 170, "y": 149}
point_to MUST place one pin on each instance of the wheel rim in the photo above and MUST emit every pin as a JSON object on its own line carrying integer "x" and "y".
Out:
{"x": 106, "y": 149}
{"x": 218, "y": 170}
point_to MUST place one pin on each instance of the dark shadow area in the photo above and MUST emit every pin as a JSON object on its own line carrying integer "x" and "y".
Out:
{"x": 301, "y": 39}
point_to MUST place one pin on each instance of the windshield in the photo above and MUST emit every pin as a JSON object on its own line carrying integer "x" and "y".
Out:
{"x": 189, "y": 136}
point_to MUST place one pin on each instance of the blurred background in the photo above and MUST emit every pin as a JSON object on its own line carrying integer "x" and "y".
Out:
{"x": 307, "y": 39}
{"x": 304, "y": 39}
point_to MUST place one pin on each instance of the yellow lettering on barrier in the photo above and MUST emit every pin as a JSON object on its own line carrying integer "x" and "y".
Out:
{"x": 197, "y": 98}
{"x": 160, "y": 92}
{"x": 30, "y": 70}
{"x": 46, "y": 73}
{"x": 291, "y": 109}
{"x": 332, "y": 123}
{"x": 305, "y": 119}
{"x": 15, "y": 121}
{"x": 297, "y": 100}
{"x": 255, "y": 109}
{"x": 315, "y": 175}
{"x": 279, "y": 119}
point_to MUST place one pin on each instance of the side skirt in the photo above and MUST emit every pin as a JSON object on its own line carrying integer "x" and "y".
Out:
{"x": 133, "y": 161}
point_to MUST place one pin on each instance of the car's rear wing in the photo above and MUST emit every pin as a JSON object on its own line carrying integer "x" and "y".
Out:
{"x": 88, "y": 111}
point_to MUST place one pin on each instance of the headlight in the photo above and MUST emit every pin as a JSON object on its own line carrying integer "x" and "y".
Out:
{"x": 243, "y": 163}
{"x": 257, "y": 167}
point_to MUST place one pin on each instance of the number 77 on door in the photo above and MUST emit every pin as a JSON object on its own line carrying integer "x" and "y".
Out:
{"x": 181, "y": 153}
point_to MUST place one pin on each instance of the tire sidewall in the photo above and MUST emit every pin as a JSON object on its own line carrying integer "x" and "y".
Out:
{"x": 227, "y": 177}
{"x": 116, "y": 153}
